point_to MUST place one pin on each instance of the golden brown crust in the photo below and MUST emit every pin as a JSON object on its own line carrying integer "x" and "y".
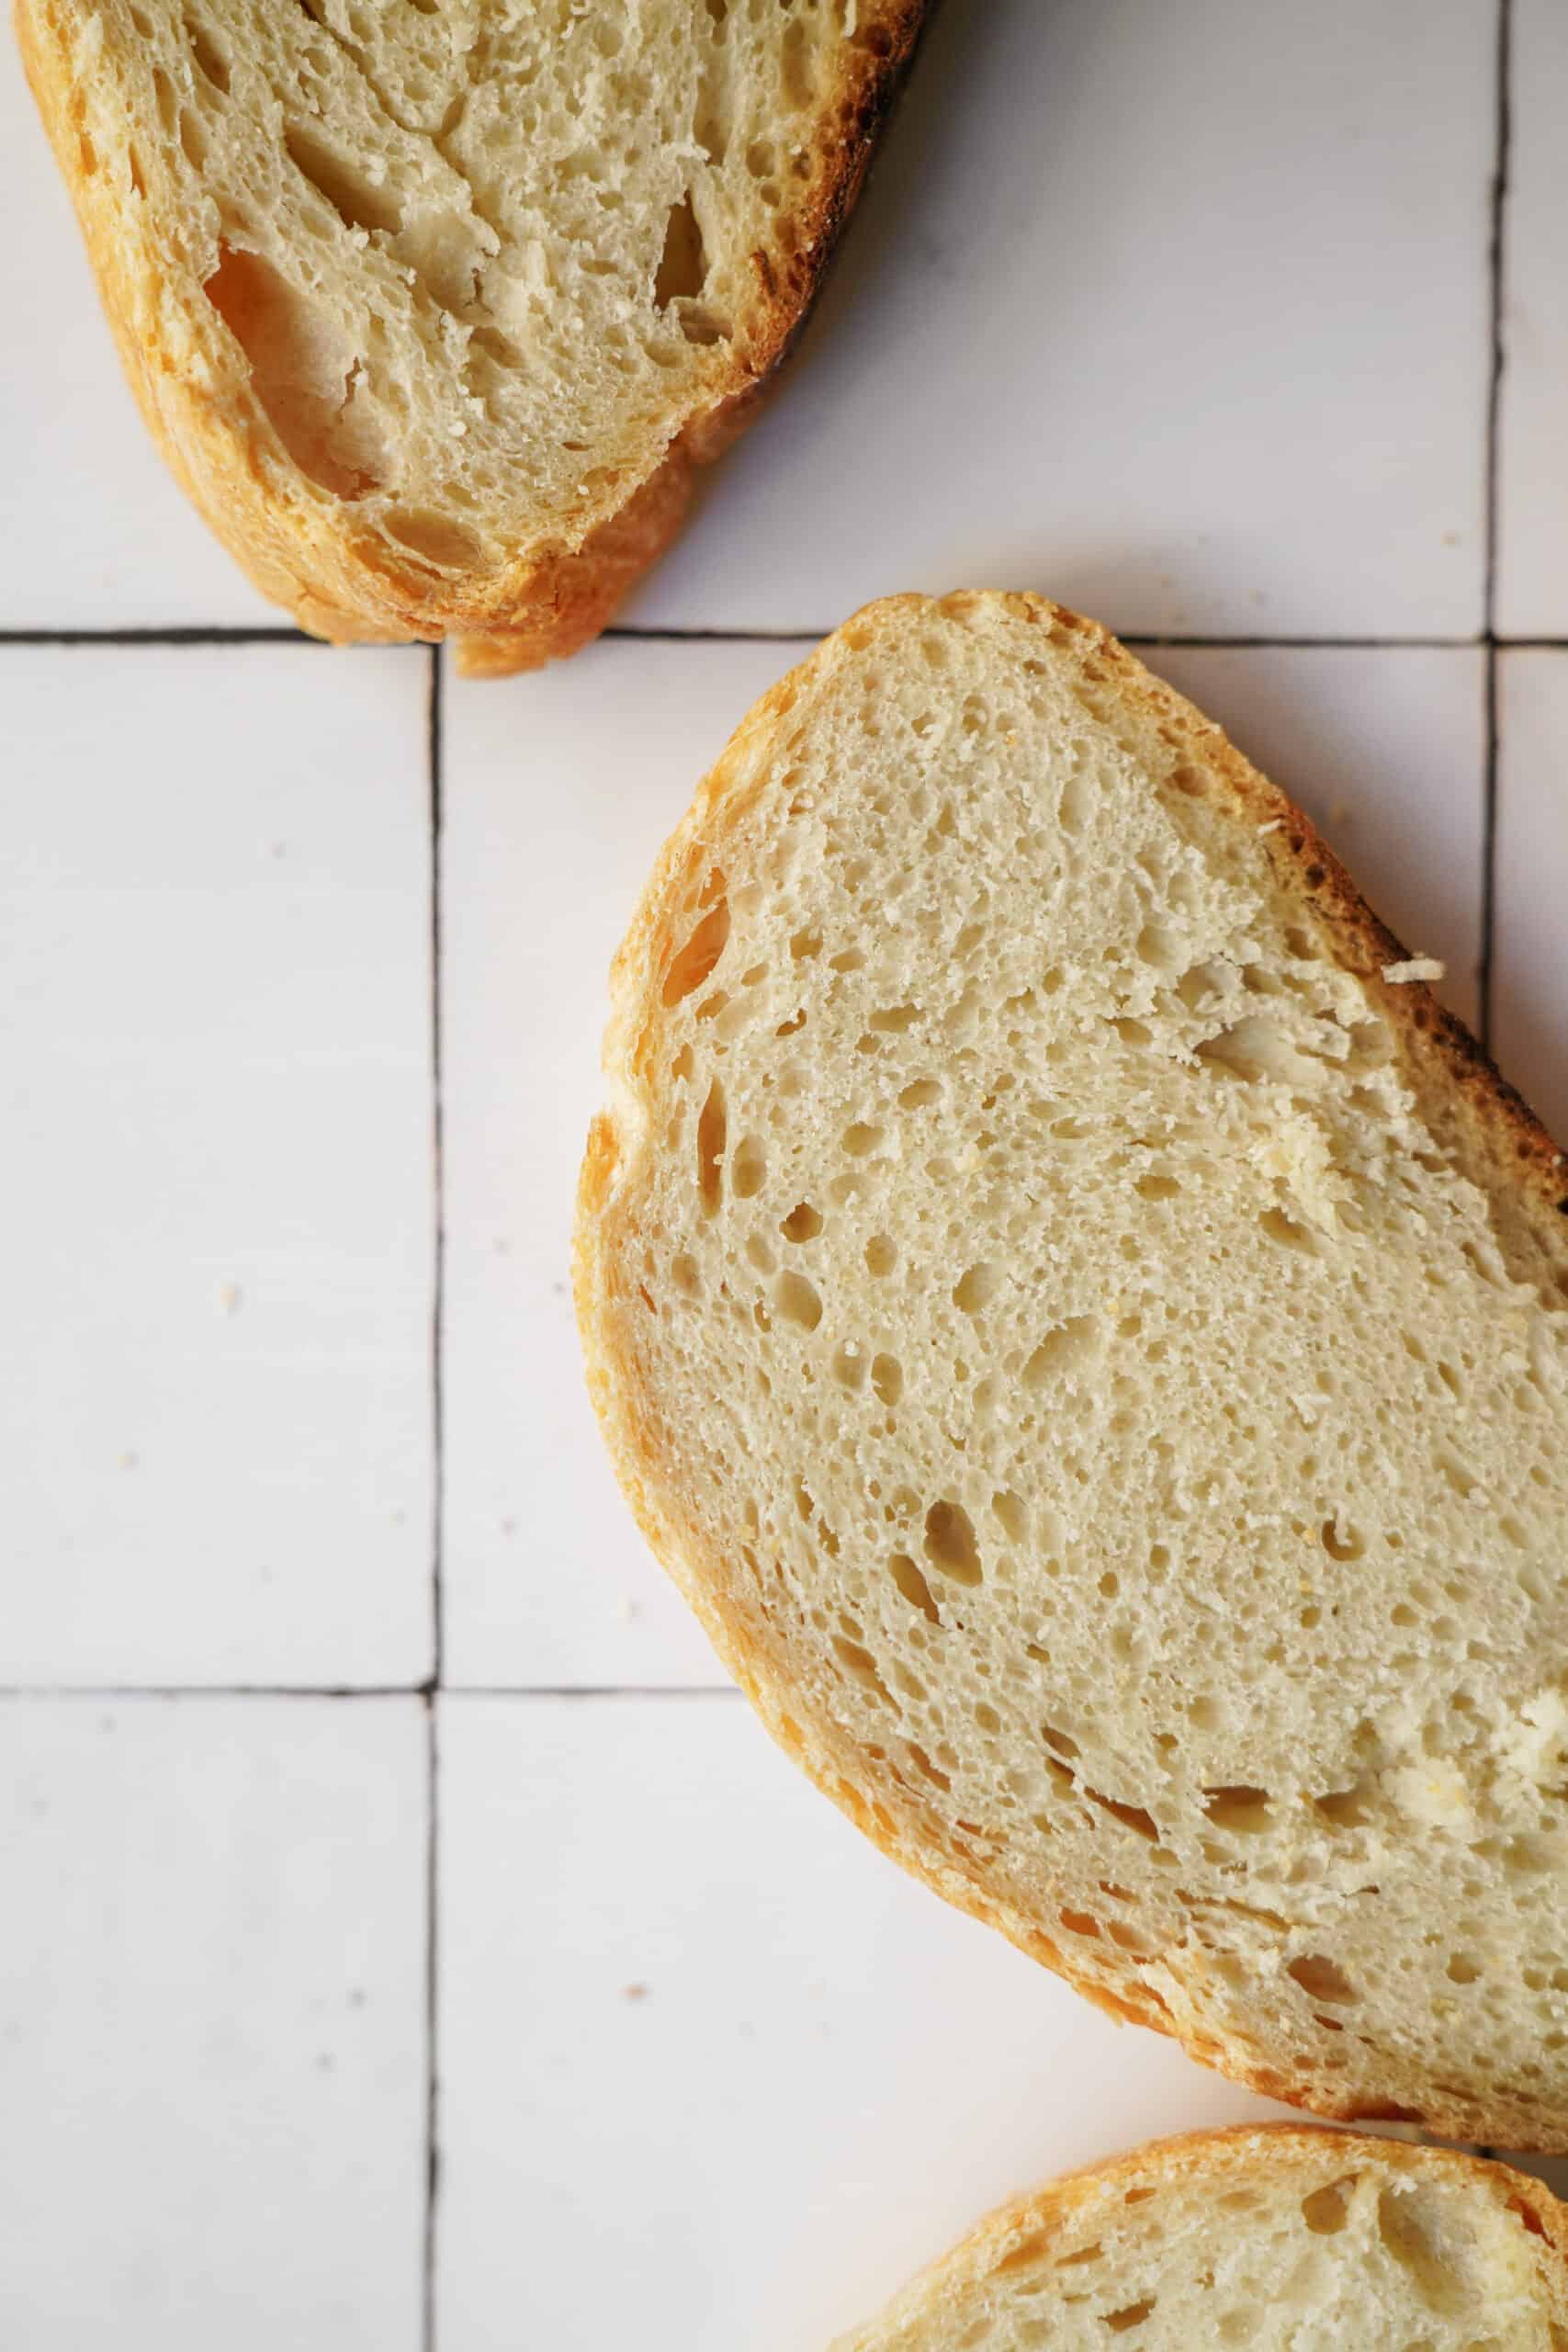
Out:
{"x": 1459, "y": 1092}
{"x": 1075, "y": 2204}
{"x": 193, "y": 387}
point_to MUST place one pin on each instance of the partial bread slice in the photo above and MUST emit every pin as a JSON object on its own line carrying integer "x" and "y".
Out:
{"x": 1284, "y": 2239}
{"x": 1093, "y": 1347}
{"x": 434, "y": 310}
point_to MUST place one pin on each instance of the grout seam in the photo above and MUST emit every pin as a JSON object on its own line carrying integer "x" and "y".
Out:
{"x": 177, "y": 639}
{"x": 1496, "y": 364}
{"x": 432, "y": 2025}
{"x": 435, "y": 757}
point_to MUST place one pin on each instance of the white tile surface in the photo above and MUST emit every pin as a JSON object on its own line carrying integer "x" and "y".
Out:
{"x": 1532, "y": 571}
{"x": 828, "y": 2073}
{"x": 96, "y": 535}
{"x": 557, "y": 791}
{"x": 1177, "y": 313}
{"x": 211, "y": 2025}
{"x": 1529, "y": 987}
{"x": 215, "y": 1396}
{"x": 1385, "y": 749}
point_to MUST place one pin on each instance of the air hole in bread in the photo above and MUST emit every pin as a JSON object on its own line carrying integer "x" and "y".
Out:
{"x": 1157, "y": 1188}
{"x": 913, "y": 1585}
{"x": 1322, "y": 1979}
{"x": 697, "y": 958}
{"x": 711, "y": 1131}
{"x": 849, "y": 1366}
{"x": 881, "y": 1256}
{"x": 304, "y": 373}
{"x": 920, "y": 1095}
{"x": 1130, "y": 2315}
{"x": 749, "y": 1167}
{"x": 205, "y": 55}
{"x": 795, "y": 64}
{"x": 950, "y": 1545}
{"x": 1065, "y": 1351}
{"x": 1288, "y": 1232}
{"x": 887, "y": 1379}
{"x": 798, "y": 1301}
{"x": 1341, "y": 1541}
{"x": 976, "y": 1288}
{"x": 436, "y": 538}
{"x": 357, "y": 203}
{"x": 804, "y": 1223}
{"x": 1327, "y": 2210}
{"x": 683, "y": 264}
{"x": 859, "y": 1139}
{"x": 1242, "y": 1809}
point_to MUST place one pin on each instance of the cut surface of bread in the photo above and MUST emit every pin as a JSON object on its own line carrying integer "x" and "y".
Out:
{"x": 434, "y": 310}
{"x": 1094, "y": 1351}
{"x": 1283, "y": 2239}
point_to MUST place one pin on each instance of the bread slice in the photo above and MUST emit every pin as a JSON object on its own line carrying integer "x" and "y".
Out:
{"x": 1089, "y": 1336}
{"x": 1285, "y": 2239}
{"x": 435, "y": 310}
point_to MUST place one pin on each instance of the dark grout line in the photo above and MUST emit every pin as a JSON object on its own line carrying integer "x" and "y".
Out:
{"x": 525, "y": 1690}
{"x": 24, "y": 1693}
{"x": 436, "y": 752}
{"x": 432, "y": 2026}
{"x": 1497, "y": 363}
{"x": 87, "y": 638}
{"x": 95, "y": 637}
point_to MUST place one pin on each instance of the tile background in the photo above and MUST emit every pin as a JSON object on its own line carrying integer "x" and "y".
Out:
{"x": 403, "y": 1921}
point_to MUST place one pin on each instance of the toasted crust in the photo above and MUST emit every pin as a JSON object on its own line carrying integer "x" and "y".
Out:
{"x": 1071, "y": 2206}
{"x": 192, "y": 383}
{"x": 1456, "y": 1087}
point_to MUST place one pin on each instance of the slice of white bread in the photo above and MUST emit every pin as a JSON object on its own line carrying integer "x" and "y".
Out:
{"x": 434, "y": 308}
{"x": 1093, "y": 1349}
{"x": 1283, "y": 2239}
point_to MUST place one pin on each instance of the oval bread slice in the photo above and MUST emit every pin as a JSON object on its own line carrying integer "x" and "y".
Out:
{"x": 1282, "y": 2239}
{"x": 434, "y": 310}
{"x": 1093, "y": 1349}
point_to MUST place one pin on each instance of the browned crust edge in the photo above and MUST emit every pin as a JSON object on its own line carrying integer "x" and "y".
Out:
{"x": 1083, "y": 2200}
{"x": 1453, "y": 1080}
{"x": 223, "y": 452}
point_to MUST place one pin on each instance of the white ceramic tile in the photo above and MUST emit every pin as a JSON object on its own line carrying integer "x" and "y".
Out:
{"x": 215, "y": 1092}
{"x": 1533, "y": 569}
{"x": 1387, "y": 752}
{"x": 1178, "y": 313}
{"x": 211, "y": 2025}
{"x": 557, "y": 791}
{"x": 714, "y": 2072}
{"x": 1529, "y": 975}
{"x": 96, "y": 535}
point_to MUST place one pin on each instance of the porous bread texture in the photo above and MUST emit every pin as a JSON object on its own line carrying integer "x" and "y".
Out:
{"x": 435, "y": 310}
{"x": 1095, "y": 1354}
{"x": 1281, "y": 2239}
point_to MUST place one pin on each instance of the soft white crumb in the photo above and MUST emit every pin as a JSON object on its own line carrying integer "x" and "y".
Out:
{"x": 1415, "y": 967}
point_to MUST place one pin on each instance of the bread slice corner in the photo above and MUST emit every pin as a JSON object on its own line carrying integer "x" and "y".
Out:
{"x": 1272, "y": 2237}
{"x": 436, "y": 312}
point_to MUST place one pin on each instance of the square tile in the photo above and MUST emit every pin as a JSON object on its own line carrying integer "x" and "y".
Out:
{"x": 1179, "y": 314}
{"x": 1529, "y": 952}
{"x": 212, "y": 2024}
{"x": 558, "y": 790}
{"x": 1532, "y": 556}
{"x": 97, "y": 533}
{"x": 215, "y": 1409}
{"x": 1385, "y": 750}
{"x": 714, "y": 2072}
